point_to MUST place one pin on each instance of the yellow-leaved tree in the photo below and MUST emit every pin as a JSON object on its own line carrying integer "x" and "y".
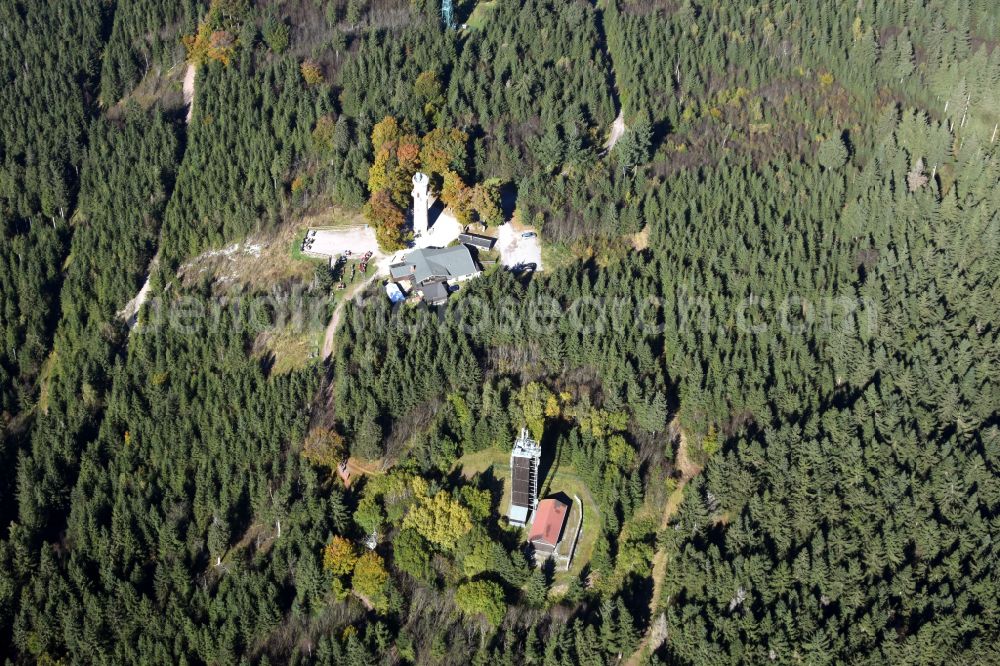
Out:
{"x": 486, "y": 202}
{"x": 312, "y": 72}
{"x": 384, "y": 131}
{"x": 534, "y": 399}
{"x": 339, "y": 556}
{"x": 371, "y": 579}
{"x": 457, "y": 196}
{"x": 440, "y": 519}
{"x": 324, "y": 447}
{"x": 482, "y": 598}
{"x": 208, "y": 44}
{"x": 444, "y": 150}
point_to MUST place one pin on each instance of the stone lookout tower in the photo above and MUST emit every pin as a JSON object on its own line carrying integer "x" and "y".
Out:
{"x": 421, "y": 203}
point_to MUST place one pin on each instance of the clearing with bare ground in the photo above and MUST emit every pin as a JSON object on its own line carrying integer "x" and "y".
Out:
{"x": 130, "y": 313}
{"x": 189, "y": 76}
{"x": 258, "y": 263}
{"x": 617, "y": 131}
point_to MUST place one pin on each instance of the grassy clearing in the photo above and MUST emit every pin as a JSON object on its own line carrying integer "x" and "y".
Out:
{"x": 480, "y": 14}
{"x": 349, "y": 272}
{"x": 335, "y": 217}
{"x": 271, "y": 258}
{"x": 257, "y": 263}
{"x": 274, "y": 257}
{"x": 556, "y": 256}
{"x": 159, "y": 85}
{"x": 480, "y": 461}
{"x": 45, "y": 379}
{"x": 292, "y": 347}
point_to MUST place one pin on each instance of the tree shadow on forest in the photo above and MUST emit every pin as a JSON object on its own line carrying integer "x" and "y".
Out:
{"x": 555, "y": 435}
{"x": 547, "y": 463}
{"x": 549, "y": 572}
{"x": 508, "y": 200}
{"x": 488, "y": 480}
{"x": 637, "y": 594}
{"x": 267, "y": 362}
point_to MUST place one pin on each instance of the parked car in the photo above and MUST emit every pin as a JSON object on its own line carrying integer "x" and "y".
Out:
{"x": 528, "y": 234}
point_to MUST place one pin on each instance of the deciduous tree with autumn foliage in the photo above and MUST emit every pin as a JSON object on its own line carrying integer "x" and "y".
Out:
{"x": 388, "y": 219}
{"x": 371, "y": 580}
{"x": 442, "y": 154}
{"x": 324, "y": 447}
{"x": 441, "y": 519}
{"x": 215, "y": 37}
{"x": 312, "y": 72}
{"x": 339, "y": 556}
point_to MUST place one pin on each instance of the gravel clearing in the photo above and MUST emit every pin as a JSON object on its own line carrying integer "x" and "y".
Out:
{"x": 516, "y": 250}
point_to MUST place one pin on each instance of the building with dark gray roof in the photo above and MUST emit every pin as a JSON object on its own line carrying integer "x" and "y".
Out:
{"x": 434, "y": 293}
{"x": 436, "y": 265}
{"x": 476, "y": 240}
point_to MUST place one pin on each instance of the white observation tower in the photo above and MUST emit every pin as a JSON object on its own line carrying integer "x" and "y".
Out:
{"x": 421, "y": 203}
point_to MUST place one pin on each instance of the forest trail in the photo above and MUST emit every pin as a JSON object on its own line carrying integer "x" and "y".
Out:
{"x": 617, "y": 131}
{"x": 618, "y": 126}
{"x": 130, "y": 313}
{"x": 331, "y": 329}
{"x": 338, "y": 312}
{"x": 189, "y": 75}
{"x": 656, "y": 634}
{"x": 357, "y": 467}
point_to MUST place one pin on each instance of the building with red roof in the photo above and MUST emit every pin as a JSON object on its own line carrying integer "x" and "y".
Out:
{"x": 547, "y": 527}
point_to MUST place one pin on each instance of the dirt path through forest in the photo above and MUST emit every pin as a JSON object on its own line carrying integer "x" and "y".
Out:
{"x": 657, "y": 631}
{"x": 617, "y": 131}
{"x": 130, "y": 313}
{"x": 338, "y": 312}
{"x": 189, "y": 75}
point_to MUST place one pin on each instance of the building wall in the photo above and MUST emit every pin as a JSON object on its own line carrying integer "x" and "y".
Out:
{"x": 466, "y": 277}
{"x": 542, "y": 547}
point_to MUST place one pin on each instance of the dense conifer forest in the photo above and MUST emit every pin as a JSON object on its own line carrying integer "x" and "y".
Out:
{"x": 762, "y": 356}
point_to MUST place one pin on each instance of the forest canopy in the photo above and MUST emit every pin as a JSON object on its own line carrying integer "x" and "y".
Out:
{"x": 759, "y": 353}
